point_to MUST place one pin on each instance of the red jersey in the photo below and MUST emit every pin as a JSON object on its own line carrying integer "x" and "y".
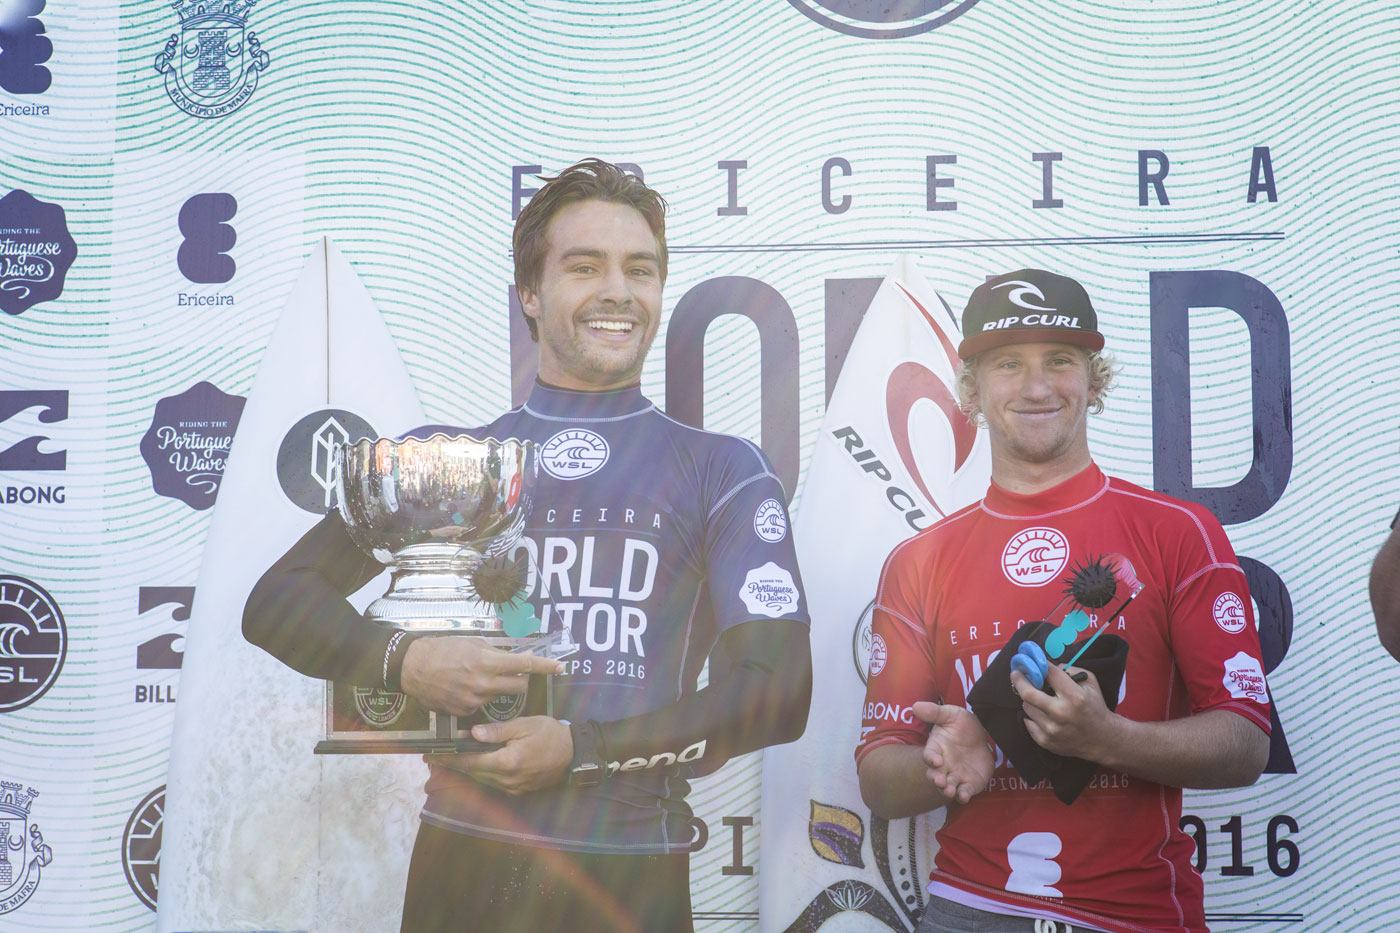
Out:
{"x": 951, "y": 596}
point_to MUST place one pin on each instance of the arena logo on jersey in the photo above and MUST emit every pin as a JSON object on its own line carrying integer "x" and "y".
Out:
{"x": 36, "y": 251}
{"x": 879, "y": 654}
{"x": 770, "y": 522}
{"x": 574, "y": 454}
{"x": 1228, "y": 612}
{"x": 23, "y": 853}
{"x": 1244, "y": 678}
{"x": 306, "y": 457}
{"x": 33, "y": 642}
{"x": 186, "y": 447}
{"x": 141, "y": 847}
{"x": 211, "y": 66}
{"x": 769, "y": 590}
{"x": 883, "y": 20}
{"x": 1035, "y": 556}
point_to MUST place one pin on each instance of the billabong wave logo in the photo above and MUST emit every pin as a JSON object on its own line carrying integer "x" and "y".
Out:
{"x": 22, "y": 850}
{"x": 141, "y": 847}
{"x": 36, "y": 251}
{"x": 883, "y": 20}
{"x": 211, "y": 66}
{"x": 187, "y": 444}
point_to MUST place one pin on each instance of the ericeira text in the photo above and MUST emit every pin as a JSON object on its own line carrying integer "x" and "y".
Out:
{"x": 1145, "y": 180}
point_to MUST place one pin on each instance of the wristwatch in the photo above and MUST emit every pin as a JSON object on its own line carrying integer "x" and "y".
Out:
{"x": 587, "y": 767}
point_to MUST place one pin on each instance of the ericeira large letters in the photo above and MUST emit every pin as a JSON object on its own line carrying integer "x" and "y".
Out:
{"x": 33, "y": 642}
{"x": 23, "y": 853}
{"x": 187, "y": 444}
{"x": 211, "y": 66}
{"x": 36, "y": 251}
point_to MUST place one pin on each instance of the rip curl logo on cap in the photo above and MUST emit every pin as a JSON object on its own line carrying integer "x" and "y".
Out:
{"x": 574, "y": 454}
{"x": 883, "y": 20}
{"x": 879, "y": 654}
{"x": 1244, "y": 678}
{"x": 769, "y": 591}
{"x": 1035, "y": 556}
{"x": 1229, "y": 612}
{"x": 770, "y": 522}
{"x": 1019, "y": 291}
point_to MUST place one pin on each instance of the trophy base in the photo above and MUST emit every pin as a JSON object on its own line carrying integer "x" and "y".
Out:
{"x": 404, "y": 746}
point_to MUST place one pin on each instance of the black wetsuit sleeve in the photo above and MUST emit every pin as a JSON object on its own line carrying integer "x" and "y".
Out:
{"x": 758, "y": 694}
{"x": 298, "y": 613}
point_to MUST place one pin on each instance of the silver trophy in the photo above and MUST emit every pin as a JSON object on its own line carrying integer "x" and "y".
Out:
{"x": 443, "y": 513}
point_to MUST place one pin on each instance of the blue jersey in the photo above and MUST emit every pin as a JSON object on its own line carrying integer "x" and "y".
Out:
{"x": 647, "y": 540}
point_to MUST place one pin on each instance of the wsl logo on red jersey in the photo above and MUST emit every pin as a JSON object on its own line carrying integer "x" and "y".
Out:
{"x": 1035, "y": 556}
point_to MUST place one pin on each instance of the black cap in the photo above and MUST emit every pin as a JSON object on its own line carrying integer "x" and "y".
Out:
{"x": 1028, "y": 306}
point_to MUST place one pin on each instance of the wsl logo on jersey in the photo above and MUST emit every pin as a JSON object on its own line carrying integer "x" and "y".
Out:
{"x": 141, "y": 847}
{"x": 1035, "y": 556}
{"x": 23, "y": 853}
{"x": 574, "y": 454}
{"x": 211, "y": 66}
{"x": 883, "y": 20}
{"x": 770, "y": 522}
{"x": 187, "y": 444}
{"x": 306, "y": 457}
{"x": 36, "y": 251}
{"x": 33, "y": 642}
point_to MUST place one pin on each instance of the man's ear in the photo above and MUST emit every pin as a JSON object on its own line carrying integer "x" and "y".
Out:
{"x": 529, "y": 303}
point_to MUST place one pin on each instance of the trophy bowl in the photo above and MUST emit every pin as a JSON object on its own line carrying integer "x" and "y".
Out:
{"x": 432, "y": 509}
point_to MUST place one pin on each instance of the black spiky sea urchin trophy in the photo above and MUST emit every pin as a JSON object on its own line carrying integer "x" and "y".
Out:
{"x": 499, "y": 580}
{"x": 1093, "y": 584}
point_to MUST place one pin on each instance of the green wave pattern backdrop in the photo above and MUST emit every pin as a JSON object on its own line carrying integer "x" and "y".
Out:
{"x": 393, "y": 129}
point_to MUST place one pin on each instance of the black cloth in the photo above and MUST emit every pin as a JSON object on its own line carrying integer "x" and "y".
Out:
{"x": 462, "y": 884}
{"x": 999, "y": 709}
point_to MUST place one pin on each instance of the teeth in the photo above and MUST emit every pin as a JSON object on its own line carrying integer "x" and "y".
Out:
{"x": 612, "y": 327}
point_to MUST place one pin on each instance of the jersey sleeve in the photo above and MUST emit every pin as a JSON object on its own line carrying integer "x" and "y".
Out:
{"x": 749, "y": 553}
{"x": 1214, "y": 637}
{"x": 901, "y": 669}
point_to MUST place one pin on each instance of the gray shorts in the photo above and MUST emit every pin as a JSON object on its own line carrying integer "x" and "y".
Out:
{"x": 941, "y": 916}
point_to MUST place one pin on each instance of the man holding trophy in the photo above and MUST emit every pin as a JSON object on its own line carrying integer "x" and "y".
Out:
{"x": 652, "y": 544}
{"x": 1070, "y": 639}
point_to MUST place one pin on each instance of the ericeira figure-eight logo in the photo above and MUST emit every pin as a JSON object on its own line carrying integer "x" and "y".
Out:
{"x": 883, "y": 20}
{"x": 22, "y": 850}
{"x": 36, "y": 251}
{"x": 211, "y": 66}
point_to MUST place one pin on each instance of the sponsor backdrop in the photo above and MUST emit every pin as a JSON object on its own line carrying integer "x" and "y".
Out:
{"x": 1217, "y": 174}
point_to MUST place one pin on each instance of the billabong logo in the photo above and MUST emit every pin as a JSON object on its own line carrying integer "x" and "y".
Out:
{"x": 26, "y": 455}
{"x": 769, "y": 521}
{"x": 306, "y": 456}
{"x": 1035, "y": 556}
{"x": 1018, "y": 293}
{"x": 574, "y": 454}
{"x": 186, "y": 447}
{"x": 36, "y": 251}
{"x": 769, "y": 591}
{"x": 1244, "y": 678}
{"x": 883, "y": 20}
{"x": 160, "y": 653}
{"x": 33, "y": 642}
{"x": 379, "y": 707}
{"x": 1228, "y": 612}
{"x": 22, "y": 850}
{"x": 211, "y": 66}
{"x": 141, "y": 847}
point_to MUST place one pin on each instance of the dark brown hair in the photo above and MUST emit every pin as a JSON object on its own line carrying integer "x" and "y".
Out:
{"x": 589, "y": 180}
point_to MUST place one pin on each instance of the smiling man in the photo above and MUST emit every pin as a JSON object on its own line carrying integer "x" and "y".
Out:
{"x": 656, "y": 544}
{"x": 1192, "y": 710}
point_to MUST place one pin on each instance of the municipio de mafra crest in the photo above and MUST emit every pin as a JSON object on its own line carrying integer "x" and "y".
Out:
{"x": 22, "y": 850}
{"x": 211, "y": 67}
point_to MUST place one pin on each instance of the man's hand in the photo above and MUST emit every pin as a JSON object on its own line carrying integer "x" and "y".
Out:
{"x": 459, "y": 673}
{"x": 1074, "y": 722}
{"x": 536, "y": 754}
{"x": 960, "y": 762}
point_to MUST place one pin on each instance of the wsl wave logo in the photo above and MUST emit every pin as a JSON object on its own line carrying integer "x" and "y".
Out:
{"x": 141, "y": 847}
{"x": 23, "y": 853}
{"x": 33, "y": 642}
{"x": 187, "y": 444}
{"x": 36, "y": 251}
{"x": 211, "y": 66}
{"x": 886, "y": 20}
{"x": 306, "y": 457}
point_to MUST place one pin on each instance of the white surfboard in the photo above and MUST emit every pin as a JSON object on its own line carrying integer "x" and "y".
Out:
{"x": 259, "y": 833}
